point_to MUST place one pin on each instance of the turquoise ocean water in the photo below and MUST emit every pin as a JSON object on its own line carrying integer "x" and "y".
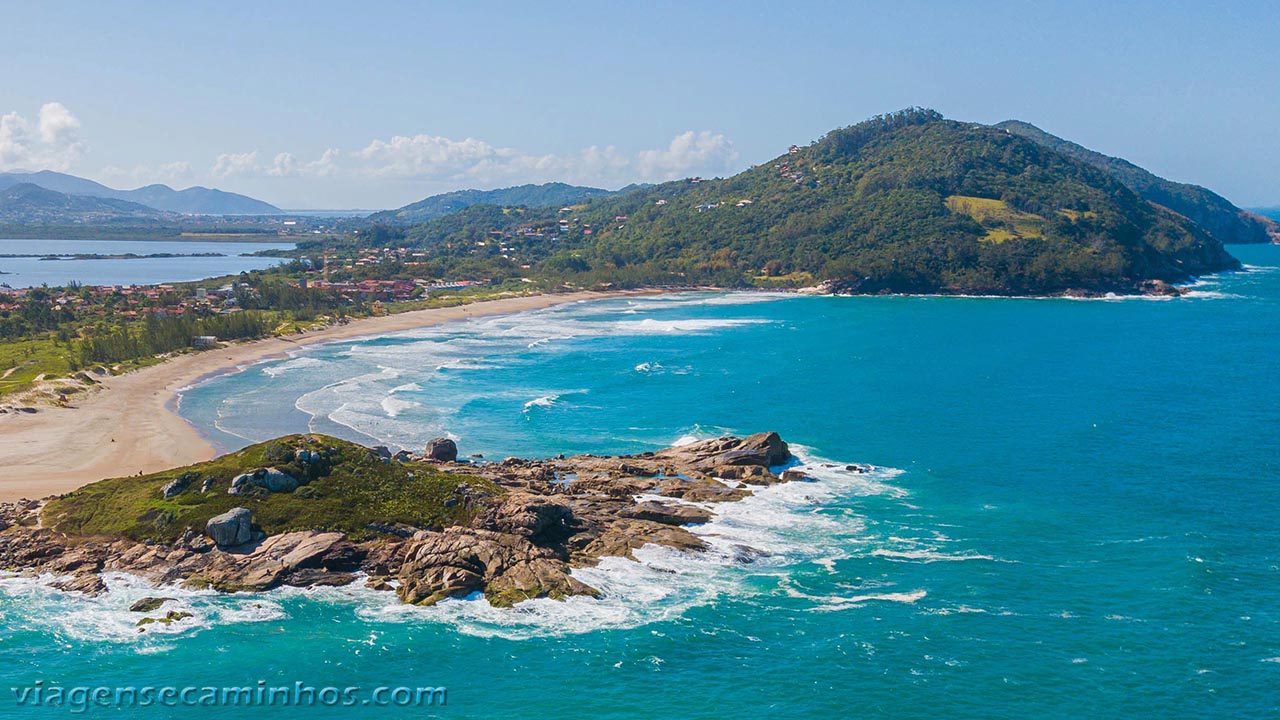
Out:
{"x": 1075, "y": 513}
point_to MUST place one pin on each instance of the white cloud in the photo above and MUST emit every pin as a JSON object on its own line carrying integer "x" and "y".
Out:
{"x": 713, "y": 153}
{"x": 233, "y": 164}
{"x": 52, "y": 143}
{"x": 286, "y": 165}
{"x": 475, "y": 163}
{"x": 432, "y": 157}
{"x": 283, "y": 165}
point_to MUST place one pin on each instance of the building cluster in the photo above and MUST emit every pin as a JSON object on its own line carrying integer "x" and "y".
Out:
{"x": 785, "y": 170}
{"x": 127, "y": 300}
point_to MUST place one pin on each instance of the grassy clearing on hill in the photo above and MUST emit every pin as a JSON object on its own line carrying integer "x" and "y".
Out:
{"x": 354, "y": 488}
{"x": 1001, "y": 221}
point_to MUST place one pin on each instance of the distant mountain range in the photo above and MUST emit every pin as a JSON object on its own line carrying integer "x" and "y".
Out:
{"x": 535, "y": 196}
{"x": 191, "y": 201}
{"x": 1212, "y": 212}
{"x": 30, "y": 204}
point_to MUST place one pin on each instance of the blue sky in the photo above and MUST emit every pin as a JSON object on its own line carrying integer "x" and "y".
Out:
{"x": 376, "y": 104}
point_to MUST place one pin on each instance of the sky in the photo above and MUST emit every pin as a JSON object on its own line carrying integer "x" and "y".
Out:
{"x": 377, "y": 104}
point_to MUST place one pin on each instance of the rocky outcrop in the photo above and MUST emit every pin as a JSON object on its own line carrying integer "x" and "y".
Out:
{"x": 1160, "y": 288}
{"x": 442, "y": 449}
{"x": 231, "y": 528}
{"x": 460, "y": 561}
{"x": 177, "y": 486}
{"x": 520, "y": 542}
{"x": 86, "y": 583}
{"x": 298, "y": 558}
{"x": 148, "y": 604}
{"x": 269, "y": 479}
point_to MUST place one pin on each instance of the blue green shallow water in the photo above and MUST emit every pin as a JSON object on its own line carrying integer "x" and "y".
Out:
{"x": 1074, "y": 513}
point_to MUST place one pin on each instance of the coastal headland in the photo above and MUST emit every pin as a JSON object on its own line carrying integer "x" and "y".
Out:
{"x": 312, "y": 510}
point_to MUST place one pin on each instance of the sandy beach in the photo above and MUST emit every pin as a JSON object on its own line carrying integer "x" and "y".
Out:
{"x": 128, "y": 427}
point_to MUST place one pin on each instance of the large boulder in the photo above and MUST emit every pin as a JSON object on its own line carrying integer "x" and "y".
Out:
{"x": 231, "y": 528}
{"x": 762, "y": 449}
{"x": 666, "y": 514}
{"x": 442, "y": 449}
{"x": 269, "y": 479}
{"x": 272, "y": 563}
{"x": 776, "y": 451}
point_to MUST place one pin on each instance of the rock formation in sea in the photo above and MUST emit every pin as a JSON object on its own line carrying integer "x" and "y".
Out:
{"x": 519, "y": 527}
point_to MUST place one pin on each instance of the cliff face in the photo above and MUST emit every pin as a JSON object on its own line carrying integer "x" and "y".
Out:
{"x": 514, "y": 530}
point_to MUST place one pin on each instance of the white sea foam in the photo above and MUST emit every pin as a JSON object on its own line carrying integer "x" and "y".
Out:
{"x": 108, "y": 618}
{"x": 927, "y": 556}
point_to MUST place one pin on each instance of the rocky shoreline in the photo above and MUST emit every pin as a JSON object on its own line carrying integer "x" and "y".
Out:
{"x": 1152, "y": 288}
{"x": 519, "y": 542}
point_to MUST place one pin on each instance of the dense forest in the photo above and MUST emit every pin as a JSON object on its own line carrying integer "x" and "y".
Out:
{"x": 158, "y": 335}
{"x": 904, "y": 202}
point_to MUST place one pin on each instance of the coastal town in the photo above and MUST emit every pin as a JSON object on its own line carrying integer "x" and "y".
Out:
{"x": 226, "y": 296}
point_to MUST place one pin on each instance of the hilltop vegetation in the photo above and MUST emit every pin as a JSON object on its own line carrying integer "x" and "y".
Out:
{"x": 351, "y": 488}
{"x": 547, "y": 195}
{"x": 906, "y": 202}
{"x": 1212, "y": 212}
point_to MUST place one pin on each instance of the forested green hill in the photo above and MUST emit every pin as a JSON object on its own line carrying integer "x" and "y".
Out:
{"x": 905, "y": 202}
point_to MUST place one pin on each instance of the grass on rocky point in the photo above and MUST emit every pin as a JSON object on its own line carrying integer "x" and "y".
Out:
{"x": 356, "y": 488}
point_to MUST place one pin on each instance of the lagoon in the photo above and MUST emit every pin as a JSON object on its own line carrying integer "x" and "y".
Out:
{"x": 22, "y": 272}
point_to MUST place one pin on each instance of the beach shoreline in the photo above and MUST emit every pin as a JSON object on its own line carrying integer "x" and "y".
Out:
{"x": 130, "y": 425}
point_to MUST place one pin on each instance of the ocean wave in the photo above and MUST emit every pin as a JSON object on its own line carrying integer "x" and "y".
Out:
{"x": 394, "y": 406}
{"x": 303, "y": 362}
{"x": 682, "y": 300}
{"x": 842, "y": 603}
{"x": 544, "y": 401}
{"x": 926, "y": 556}
{"x": 653, "y": 326}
